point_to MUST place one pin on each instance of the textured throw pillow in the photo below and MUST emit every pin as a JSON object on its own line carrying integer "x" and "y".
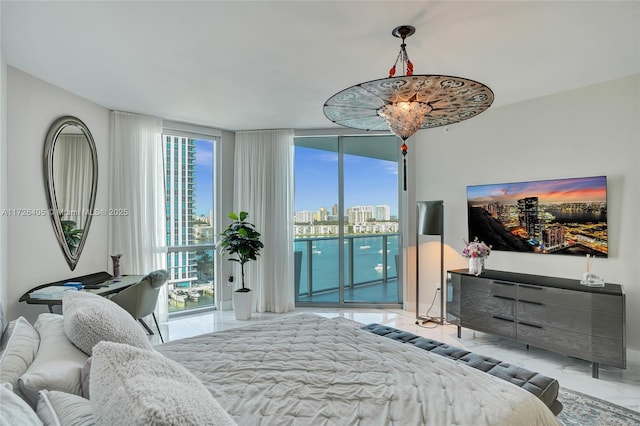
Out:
{"x": 89, "y": 319}
{"x": 19, "y": 346}
{"x": 63, "y": 409}
{"x": 130, "y": 386}
{"x": 57, "y": 364}
{"x": 14, "y": 410}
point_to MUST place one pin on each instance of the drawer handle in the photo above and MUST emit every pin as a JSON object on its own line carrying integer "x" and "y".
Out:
{"x": 532, "y": 287}
{"x": 503, "y": 283}
{"x": 503, "y": 319}
{"x": 529, "y": 325}
{"x": 531, "y": 303}
{"x": 503, "y": 297}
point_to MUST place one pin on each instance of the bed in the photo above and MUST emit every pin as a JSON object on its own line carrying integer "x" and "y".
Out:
{"x": 307, "y": 369}
{"x": 94, "y": 366}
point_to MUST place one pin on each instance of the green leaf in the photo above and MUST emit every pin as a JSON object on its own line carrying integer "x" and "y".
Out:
{"x": 233, "y": 216}
{"x": 243, "y": 215}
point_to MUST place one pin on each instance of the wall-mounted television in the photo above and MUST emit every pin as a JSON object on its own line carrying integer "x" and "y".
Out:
{"x": 559, "y": 216}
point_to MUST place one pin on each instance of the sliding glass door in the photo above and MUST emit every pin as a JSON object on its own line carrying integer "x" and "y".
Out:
{"x": 346, "y": 220}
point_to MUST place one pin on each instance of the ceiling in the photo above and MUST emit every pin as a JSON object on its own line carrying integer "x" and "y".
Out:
{"x": 240, "y": 65}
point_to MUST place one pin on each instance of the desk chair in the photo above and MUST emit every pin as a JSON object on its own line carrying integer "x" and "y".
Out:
{"x": 140, "y": 299}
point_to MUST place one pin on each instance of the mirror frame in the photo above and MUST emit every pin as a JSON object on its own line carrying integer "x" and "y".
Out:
{"x": 49, "y": 146}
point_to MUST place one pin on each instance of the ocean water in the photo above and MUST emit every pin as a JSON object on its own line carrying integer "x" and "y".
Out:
{"x": 368, "y": 254}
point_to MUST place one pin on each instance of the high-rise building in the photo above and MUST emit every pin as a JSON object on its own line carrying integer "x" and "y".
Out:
{"x": 383, "y": 213}
{"x": 321, "y": 215}
{"x": 554, "y": 237}
{"x": 334, "y": 210}
{"x": 180, "y": 155}
{"x": 359, "y": 214}
{"x": 303, "y": 216}
{"x": 528, "y": 216}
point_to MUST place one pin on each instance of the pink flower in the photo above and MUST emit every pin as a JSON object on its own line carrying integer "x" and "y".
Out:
{"x": 476, "y": 249}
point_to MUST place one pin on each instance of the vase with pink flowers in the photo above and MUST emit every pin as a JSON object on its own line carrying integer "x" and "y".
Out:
{"x": 476, "y": 251}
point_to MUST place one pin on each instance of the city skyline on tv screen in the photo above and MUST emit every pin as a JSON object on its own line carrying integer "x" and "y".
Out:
{"x": 558, "y": 216}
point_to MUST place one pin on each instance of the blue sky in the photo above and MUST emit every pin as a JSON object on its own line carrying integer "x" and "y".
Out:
{"x": 204, "y": 182}
{"x": 368, "y": 181}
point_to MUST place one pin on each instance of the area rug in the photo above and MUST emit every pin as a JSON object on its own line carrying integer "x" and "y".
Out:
{"x": 584, "y": 410}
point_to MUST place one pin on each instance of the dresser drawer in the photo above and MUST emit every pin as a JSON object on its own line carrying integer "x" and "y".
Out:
{"x": 495, "y": 304}
{"x": 574, "y": 299}
{"x": 489, "y": 286}
{"x": 603, "y": 324}
{"x": 591, "y": 348}
{"x": 489, "y": 323}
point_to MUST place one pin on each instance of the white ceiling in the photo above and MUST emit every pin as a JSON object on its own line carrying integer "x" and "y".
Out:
{"x": 242, "y": 65}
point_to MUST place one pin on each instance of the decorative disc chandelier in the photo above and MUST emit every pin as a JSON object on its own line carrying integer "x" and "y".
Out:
{"x": 408, "y": 103}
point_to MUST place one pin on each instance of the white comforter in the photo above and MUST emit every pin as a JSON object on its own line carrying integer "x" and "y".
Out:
{"x": 308, "y": 370}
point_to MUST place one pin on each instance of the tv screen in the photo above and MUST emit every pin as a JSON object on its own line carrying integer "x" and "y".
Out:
{"x": 559, "y": 216}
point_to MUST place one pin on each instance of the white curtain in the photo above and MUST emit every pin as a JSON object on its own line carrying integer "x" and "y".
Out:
{"x": 73, "y": 171}
{"x": 263, "y": 177}
{"x": 136, "y": 189}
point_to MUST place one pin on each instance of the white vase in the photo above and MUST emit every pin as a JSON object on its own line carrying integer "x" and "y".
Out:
{"x": 476, "y": 265}
{"x": 243, "y": 304}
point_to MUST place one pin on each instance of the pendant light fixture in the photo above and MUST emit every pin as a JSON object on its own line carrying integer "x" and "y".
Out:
{"x": 407, "y": 103}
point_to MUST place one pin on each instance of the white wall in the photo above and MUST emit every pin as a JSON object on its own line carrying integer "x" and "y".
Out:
{"x": 3, "y": 175}
{"x": 34, "y": 256}
{"x": 591, "y": 131}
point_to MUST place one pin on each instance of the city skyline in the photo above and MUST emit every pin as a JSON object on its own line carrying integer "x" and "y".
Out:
{"x": 316, "y": 171}
{"x": 562, "y": 216}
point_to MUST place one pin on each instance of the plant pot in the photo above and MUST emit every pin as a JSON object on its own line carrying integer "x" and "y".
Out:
{"x": 243, "y": 304}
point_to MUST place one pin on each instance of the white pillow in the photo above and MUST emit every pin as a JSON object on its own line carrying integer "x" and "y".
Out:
{"x": 131, "y": 386}
{"x": 14, "y": 410}
{"x": 18, "y": 349}
{"x": 85, "y": 377}
{"x": 64, "y": 409}
{"x": 89, "y": 319}
{"x": 58, "y": 363}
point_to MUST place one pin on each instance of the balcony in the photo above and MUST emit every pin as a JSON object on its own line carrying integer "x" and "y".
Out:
{"x": 370, "y": 274}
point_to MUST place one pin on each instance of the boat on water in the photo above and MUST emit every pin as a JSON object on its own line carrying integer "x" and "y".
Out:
{"x": 178, "y": 297}
{"x": 365, "y": 247}
{"x": 194, "y": 295}
{"x": 316, "y": 251}
{"x": 379, "y": 267}
{"x": 380, "y": 251}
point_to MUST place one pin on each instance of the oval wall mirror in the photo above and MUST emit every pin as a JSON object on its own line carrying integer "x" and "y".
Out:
{"x": 71, "y": 180}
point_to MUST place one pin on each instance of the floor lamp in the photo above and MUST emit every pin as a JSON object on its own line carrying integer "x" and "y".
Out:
{"x": 430, "y": 221}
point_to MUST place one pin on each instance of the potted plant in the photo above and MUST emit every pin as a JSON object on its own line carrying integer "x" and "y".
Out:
{"x": 241, "y": 242}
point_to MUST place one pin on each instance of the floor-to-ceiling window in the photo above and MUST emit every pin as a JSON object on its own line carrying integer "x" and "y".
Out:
{"x": 190, "y": 226}
{"x": 346, "y": 220}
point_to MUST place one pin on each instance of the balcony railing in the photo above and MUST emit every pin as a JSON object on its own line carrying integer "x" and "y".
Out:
{"x": 191, "y": 280}
{"x": 369, "y": 263}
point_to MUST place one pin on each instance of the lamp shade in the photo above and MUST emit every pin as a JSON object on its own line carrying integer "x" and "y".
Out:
{"x": 430, "y": 217}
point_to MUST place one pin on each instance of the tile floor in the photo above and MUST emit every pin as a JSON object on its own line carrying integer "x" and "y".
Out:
{"x": 619, "y": 386}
